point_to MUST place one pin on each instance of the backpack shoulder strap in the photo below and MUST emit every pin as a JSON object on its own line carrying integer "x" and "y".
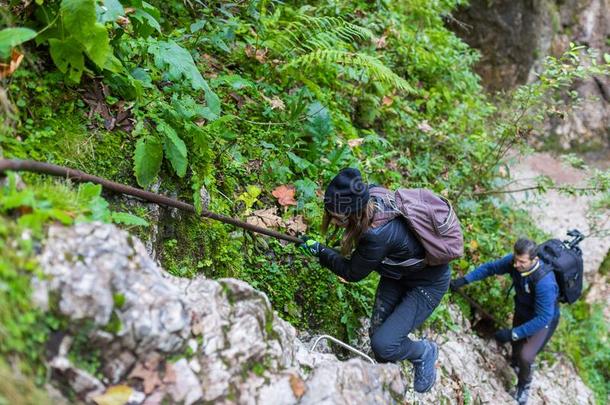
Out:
{"x": 382, "y": 214}
{"x": 540, "y": 273}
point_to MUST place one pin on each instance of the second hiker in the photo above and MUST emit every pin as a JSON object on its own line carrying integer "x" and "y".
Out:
{"x": 376, "y": 239}
{"x": 536, "y": 307}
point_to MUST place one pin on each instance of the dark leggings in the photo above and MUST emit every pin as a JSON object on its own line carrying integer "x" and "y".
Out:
{"x": 525, "y": 350}
{"x": 400, "y": 307}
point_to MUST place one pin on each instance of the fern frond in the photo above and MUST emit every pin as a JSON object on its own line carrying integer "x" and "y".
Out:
{"x": 373, "y": 66}
{"x": 307, "y": 33}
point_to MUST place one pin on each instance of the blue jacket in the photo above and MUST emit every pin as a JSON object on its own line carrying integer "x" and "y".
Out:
{"x": 540, "y": 307}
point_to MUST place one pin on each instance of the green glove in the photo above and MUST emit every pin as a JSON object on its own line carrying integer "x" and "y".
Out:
{"x": 310, "y": 246}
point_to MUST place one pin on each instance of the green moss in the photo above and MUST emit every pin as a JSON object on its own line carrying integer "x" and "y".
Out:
{"x": 114, "y": 324}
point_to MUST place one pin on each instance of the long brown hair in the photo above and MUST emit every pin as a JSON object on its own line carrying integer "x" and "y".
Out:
{"x": 357, "y": 224}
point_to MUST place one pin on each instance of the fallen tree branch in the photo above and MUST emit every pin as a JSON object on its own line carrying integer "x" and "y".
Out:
{"x": 77, "y": 175}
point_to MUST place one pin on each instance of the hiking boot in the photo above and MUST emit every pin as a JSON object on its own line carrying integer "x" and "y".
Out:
{"x": 424, "y": 368}
{"x": 522, "y": 394}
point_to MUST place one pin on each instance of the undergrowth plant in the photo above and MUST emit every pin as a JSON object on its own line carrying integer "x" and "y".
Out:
{"x": 235, "y": 99}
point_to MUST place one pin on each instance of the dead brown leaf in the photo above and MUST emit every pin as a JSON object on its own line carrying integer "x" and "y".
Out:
{"x": 424, "y": 126}
{"x": 258, "y": 54}
{"x": 380, "y": 42}
{"x": 387, "y": 101}
{"x": 261, "y": 55}
{"x": 355, "y": 142}
{"x": 266, "y": 218}
{"x": 116, "y": 116}
{"x": 170, "y": 374}
{"x": 147, "y": 371}
{"x": 298, "y": 385}
{"x": 122, "y": 21}
{"x": 7, "y": 69}
{"x": 275, "y": 102}
{"x": 296, "y": 225}
{"x": 285, "y": 195}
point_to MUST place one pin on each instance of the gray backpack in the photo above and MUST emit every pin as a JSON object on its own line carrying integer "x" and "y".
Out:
{"x": 429, "y": 216}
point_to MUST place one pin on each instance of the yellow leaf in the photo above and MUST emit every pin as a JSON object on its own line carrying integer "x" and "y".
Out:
{"x": 474, "y": 244}
{"x": 115, "y": 395}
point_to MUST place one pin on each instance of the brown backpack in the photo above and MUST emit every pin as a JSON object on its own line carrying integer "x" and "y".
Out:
{"x": 429, "y": 216}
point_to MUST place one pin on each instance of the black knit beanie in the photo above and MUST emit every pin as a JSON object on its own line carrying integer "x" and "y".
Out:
{"x": 346, "y": 193}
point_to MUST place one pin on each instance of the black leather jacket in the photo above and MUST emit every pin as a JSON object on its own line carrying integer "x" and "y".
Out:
{"x": 392, "y": 242}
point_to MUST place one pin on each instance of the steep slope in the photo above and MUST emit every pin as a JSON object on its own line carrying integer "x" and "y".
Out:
{"x": 192, "y": 341}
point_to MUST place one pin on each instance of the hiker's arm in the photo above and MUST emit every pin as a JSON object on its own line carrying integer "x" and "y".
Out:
{"x": 497, "y": 267}
{"x": 365, "y": 259}
{"x": 546, "y": 297}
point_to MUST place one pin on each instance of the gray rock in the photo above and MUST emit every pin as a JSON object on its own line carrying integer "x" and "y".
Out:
{"x": 187, "y": 388}
{"x": 240, "y": 350}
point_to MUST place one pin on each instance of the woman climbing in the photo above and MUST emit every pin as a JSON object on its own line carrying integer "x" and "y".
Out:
{"x": 376, "y": 239}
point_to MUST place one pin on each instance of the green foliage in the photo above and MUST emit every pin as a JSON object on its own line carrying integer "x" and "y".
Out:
{"x": 373, "y": 66}
{"x": 11, "y": 37}
{"x": 79, "y": 34}
{"x": 24, "y": 211}
{"x": 242, "y": 97}
{"x": 582, "y": 335}
{"x": 148, "y": 158}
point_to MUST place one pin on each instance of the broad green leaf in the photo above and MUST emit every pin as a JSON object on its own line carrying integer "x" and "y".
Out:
{"x": 319, "y": 123}
{"x": 113, "y": 64}
{"x": 145, "y": 19}
{"x": 18, "y": 199}
{"x": 109, "y": 11}
{"x": 235, "y": 81}
{"x": 178, "y": 62}
{"x": 80, "y": 21}
{"x": 99, "y": 209}
{"x": 180, "y": 65}
{"x": 175, "y": 149}
{"x": 197, "y": 26}
{"x": 11, "y": 37}
{"x": 188, "y": 108}
{"x": 88, "y": 191}
{"x": 143, "y": 77}
{"x": 306, "y": 189}
{"x": 150, "y": 20}
{"x": 213, "y": 104}
{"x": 128, "y": 219}
{"x": 300, "y": 163}
{"x": 68, "y": 57}
{"x": 60, "y": 215}
{"x": 147, "y": 160}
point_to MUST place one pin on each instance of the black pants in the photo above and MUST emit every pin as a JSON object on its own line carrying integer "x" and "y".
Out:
{"x": 400, "y": 307}
{"x": 525, "y": 350}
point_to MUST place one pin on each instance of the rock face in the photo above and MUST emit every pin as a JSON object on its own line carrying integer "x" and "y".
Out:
{"x": 514, "y": 37}
{"x": 227, "y": 344}
{"x": 163, "y": 338}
